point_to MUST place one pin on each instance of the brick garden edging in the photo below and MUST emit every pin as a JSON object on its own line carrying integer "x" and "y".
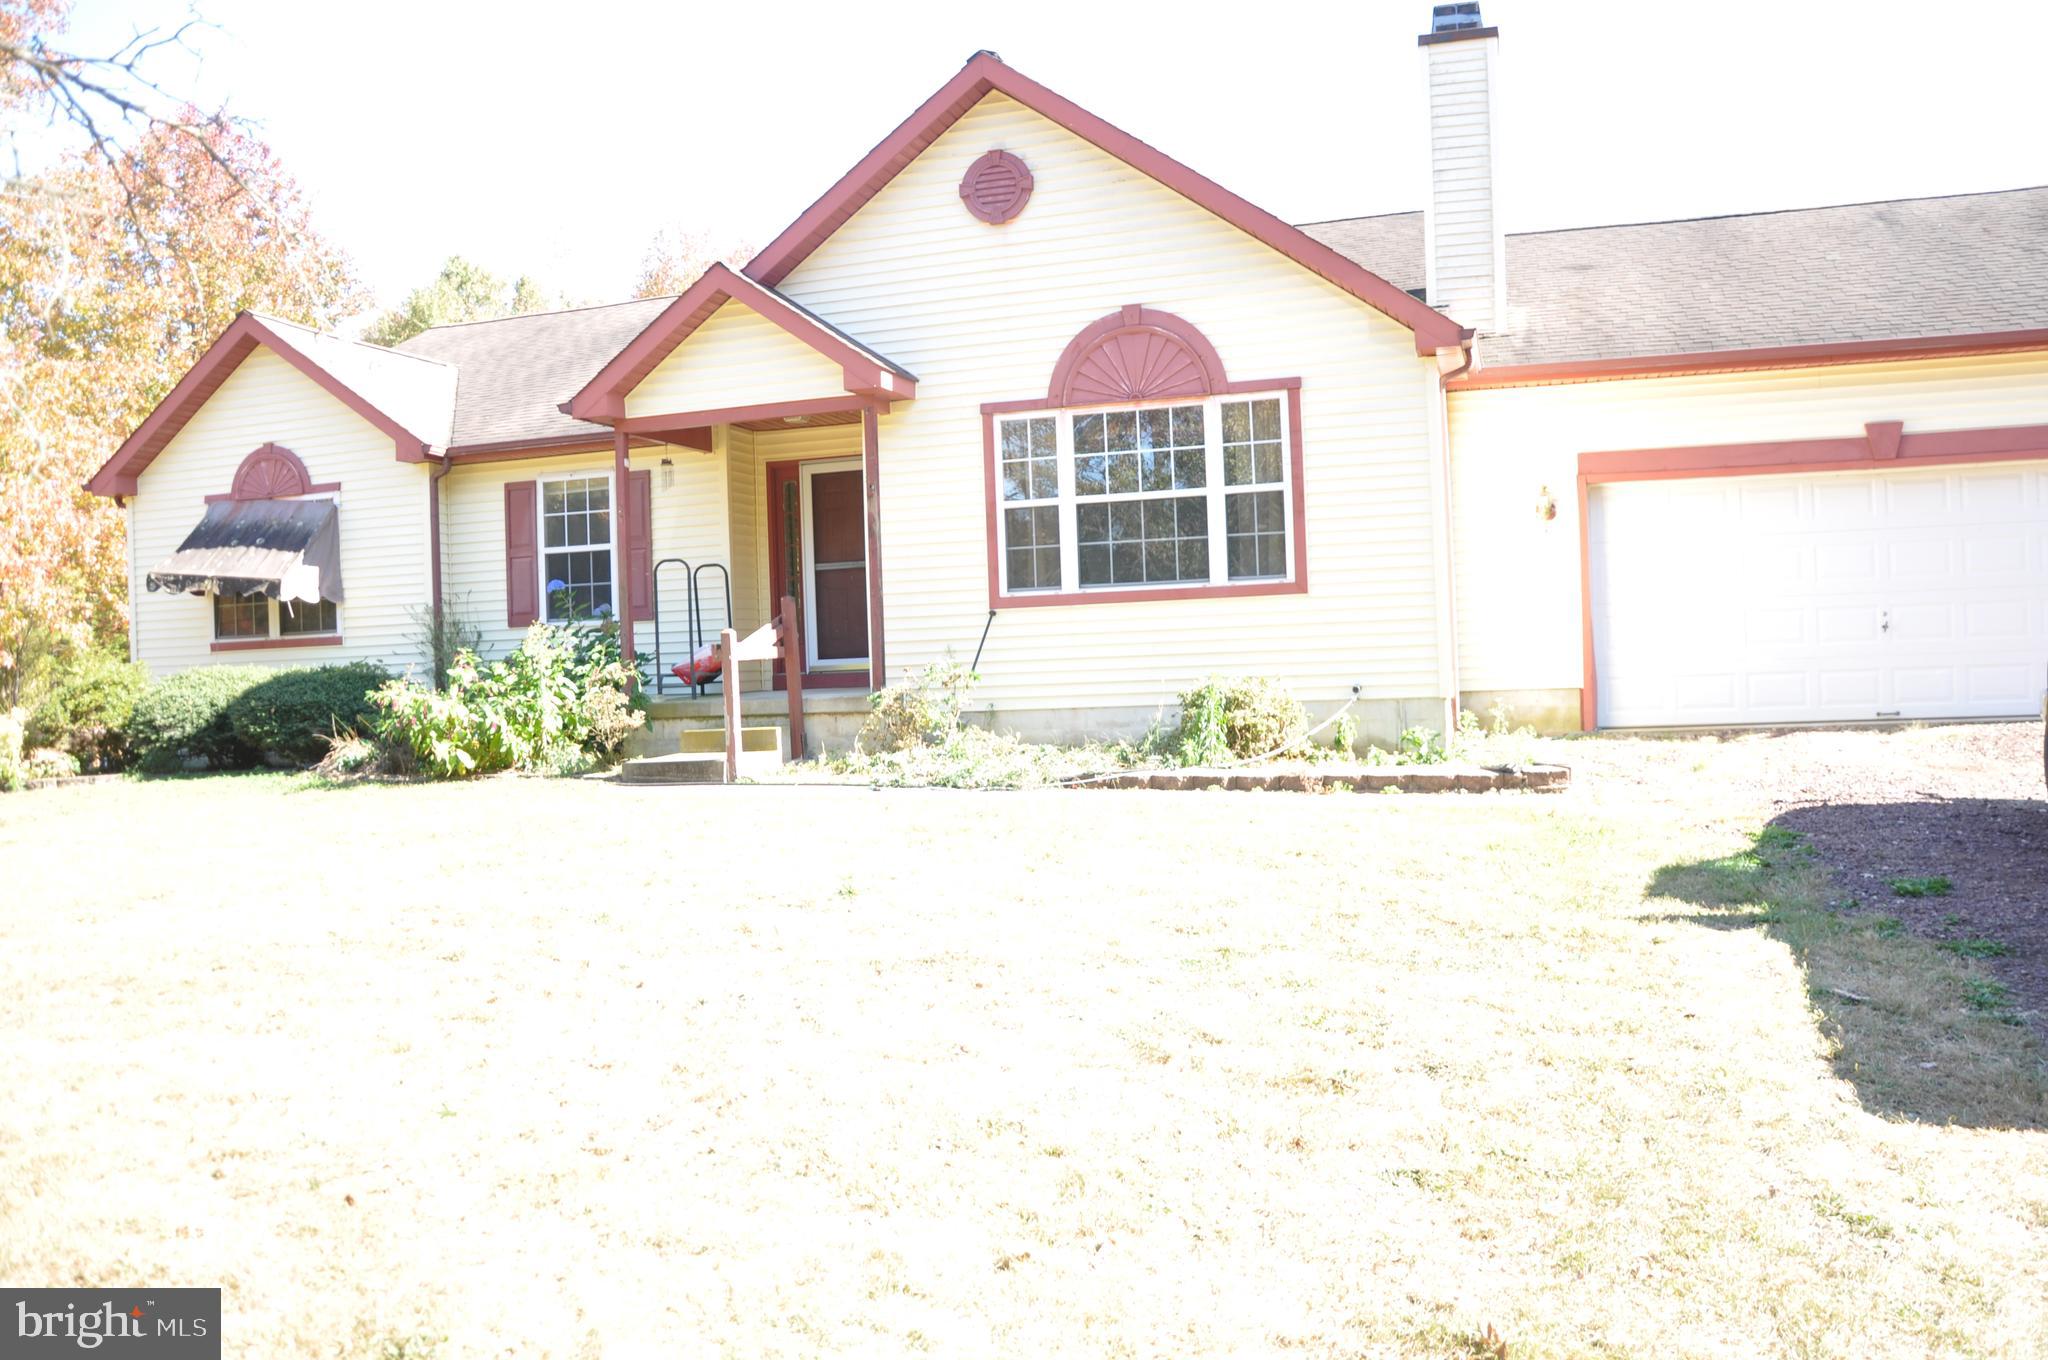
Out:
{"x": 1357, "y": 779}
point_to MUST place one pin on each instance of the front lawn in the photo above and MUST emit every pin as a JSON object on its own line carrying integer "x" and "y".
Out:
{"x": 561, "y": 1068}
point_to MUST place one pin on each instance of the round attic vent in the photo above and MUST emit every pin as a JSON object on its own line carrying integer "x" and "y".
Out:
{"x": 996, "y": 187}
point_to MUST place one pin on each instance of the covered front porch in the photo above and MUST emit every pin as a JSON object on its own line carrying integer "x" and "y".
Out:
{"x": 746, "y": 433}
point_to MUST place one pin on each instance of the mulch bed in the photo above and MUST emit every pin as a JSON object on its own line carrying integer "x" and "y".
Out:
{"x": 1962, "y": 802}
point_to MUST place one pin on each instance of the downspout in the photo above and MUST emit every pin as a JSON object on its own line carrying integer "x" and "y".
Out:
{"x": 434, "y": 550}
{"x": 1451, "y": 362}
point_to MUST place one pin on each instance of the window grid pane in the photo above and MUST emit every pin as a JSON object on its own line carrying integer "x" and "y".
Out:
{"x": 1255, "y": 522}
{"x": 1141, "y": 541}
{"x": 1158, "y": 449}
{"x": 1031, "y": 540}
{"x": 241, "y": 616}
{"x": 297, "y": 618}
{"x": 576, "y": 515}
{"x": 1030, "y": 460}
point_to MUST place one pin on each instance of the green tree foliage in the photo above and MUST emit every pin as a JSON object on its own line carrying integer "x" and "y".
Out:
{"x": 462, "y": 291}
{"x": 119, "y": 262}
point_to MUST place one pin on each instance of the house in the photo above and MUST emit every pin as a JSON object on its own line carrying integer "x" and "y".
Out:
{"x": 1020, "y": 385}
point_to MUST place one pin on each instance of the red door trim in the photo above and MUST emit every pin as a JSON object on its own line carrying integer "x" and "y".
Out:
{"x": 1883, "y": 445}
{"x": 780, "y": 473}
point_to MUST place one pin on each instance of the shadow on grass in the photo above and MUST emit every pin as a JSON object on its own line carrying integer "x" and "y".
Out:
{"x": 1918, "y": 1034}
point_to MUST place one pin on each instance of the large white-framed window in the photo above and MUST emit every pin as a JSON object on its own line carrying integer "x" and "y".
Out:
{"x": 1174, "y": 495}
{"x": 578, "y": 546}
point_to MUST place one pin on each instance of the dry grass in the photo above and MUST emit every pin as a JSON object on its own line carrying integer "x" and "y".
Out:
{"x": 564, "y": 1069}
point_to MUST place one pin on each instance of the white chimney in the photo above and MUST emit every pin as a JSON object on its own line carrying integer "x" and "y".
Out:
{"x": 1467, "y": 259}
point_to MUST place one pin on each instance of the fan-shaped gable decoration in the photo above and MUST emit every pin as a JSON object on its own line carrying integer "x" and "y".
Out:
{"x": 272, "y": 472}
{"x": 1136, "y": 354}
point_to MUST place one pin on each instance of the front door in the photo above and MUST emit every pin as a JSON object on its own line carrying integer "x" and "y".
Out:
{"x": 835, "y": 567}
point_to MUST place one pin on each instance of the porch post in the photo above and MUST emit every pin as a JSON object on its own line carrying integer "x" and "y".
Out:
{"x": 871, "y": 484}
{"x": 622, "y": 589}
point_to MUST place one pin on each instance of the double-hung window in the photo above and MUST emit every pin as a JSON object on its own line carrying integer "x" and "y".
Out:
{"x": 1171, "y": 496}
{"x": 576, "y": 546}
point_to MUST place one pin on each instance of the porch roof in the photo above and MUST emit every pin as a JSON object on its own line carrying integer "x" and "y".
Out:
{"x": 863, "y": 374}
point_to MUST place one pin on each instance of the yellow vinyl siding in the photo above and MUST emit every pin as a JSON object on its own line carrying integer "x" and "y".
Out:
{"x": 736, "y": 358}
{"x": 1518, "y": 577}
{"x": 688, "y": 520}
{"x": 982, "y": 313}
{"x": 383, "y": 510}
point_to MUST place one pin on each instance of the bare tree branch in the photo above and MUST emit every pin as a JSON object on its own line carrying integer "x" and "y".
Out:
{"x": 107, "y": 98}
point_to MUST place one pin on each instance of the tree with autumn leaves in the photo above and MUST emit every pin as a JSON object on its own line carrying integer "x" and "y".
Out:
{"x": 119, "y": 263}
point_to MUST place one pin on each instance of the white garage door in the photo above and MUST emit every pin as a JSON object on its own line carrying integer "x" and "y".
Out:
{"x": 1840, "y": 597}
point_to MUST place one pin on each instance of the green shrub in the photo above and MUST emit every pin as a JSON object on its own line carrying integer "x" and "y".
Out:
{"x": 292, "y": 713}
{"x": 1421, "y": 746}
{"x": 922, "y": 711}
{"x": 85, "y": 710}
{"x": 12, "y": 721}
{"x": 184, "y": 717}
{"x": 552, "y": 705}
{"x": 1239, "y": 719}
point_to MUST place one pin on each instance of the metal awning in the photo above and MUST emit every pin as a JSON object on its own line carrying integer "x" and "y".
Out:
{"x": 287, "y": 550}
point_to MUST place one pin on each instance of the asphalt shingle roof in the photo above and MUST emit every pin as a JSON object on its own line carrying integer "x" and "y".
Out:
{"x": 512, "y": 373}
{"x": 1901, "y": 269}
{"x": 1864, "y": 271}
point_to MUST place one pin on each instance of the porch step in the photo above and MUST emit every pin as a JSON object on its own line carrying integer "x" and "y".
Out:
{"x": 683, "y": 767}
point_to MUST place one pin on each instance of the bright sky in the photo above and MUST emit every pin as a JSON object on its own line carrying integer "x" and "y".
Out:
{"x": 555, "y": 139}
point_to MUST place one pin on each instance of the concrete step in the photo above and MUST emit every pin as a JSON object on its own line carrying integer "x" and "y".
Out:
{"x": 682, "y": 767}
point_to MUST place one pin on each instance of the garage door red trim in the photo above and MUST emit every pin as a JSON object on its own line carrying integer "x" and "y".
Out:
{"x": 1884, "y": 444}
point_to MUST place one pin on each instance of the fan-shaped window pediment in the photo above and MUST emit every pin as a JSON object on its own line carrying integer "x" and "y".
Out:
{"x": 1136, "y": 354}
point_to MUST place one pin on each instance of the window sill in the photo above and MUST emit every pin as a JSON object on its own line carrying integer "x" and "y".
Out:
{"x": 1146, "y": 595}
{"x": 270, "y": 644}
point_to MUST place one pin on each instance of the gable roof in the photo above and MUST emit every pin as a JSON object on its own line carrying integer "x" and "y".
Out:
{"x": 1903, "y": 270}
{"x": 867, "y": 373}
{"x": 985, "y": 73}
{"x": 407, "y": 397}
{"x": 514, "y": 373}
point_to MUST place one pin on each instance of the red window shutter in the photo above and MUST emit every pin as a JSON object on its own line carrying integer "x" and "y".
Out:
{"x": 639, "y": 530}
{"x": 522, "y": 554}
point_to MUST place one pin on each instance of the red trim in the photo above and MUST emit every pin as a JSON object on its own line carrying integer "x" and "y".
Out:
{"x": 996, "y": 187}
{"x": 275, "y": 644}
{"x": 1037, "y": 600}
{"x": 1726, "y": 360}
{"x": 522, "y": 553}
{"x": 984, "y": 74}
{"x": 501, "y": 449}
{"x": 779, "y": 474}
{"x": 317, "y": 489}
{"x": 624, "y": 573}
{"x": 776, "y": 476}
{"x": 689, "y": 422}
{"x": 871, "y": 478}
{"x": 117, "y": 476}
{"x": 1136, "y": 354}
{"x": 603, "y": 398}
{"x": 1883, "y": 446}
